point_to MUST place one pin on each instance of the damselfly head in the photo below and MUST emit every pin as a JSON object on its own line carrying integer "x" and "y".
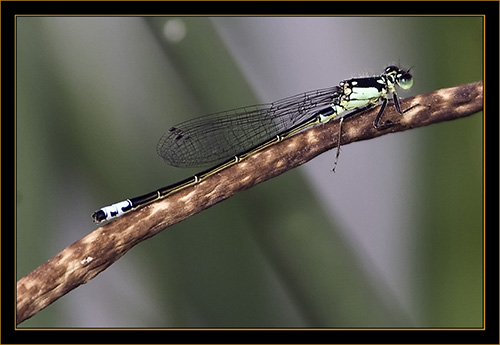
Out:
{"x": 399, "y": 76}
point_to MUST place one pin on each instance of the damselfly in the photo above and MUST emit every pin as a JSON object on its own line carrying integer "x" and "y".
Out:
{"x": 225, "y": 138}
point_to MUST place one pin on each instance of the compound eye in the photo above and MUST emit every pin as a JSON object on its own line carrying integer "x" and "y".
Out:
{"x": 405, "y": 80}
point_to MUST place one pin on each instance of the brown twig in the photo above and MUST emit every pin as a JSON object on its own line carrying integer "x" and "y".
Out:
{"x": 86, "y": 258}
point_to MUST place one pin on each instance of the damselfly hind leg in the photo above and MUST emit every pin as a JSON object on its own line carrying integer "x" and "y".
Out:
{"x": 338, "y": 145}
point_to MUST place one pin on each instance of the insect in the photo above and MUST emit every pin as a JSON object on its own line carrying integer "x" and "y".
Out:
{"x": 222, "y": 139}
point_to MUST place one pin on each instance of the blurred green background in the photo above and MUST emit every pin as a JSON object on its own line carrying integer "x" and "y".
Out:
{"x": 393, "y": 239}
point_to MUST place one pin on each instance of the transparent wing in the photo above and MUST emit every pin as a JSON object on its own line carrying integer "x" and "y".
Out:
{"x": 213, "y": 138}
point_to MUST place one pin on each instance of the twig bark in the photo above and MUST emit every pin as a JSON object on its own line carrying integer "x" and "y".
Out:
{"x": 86, "y": 258}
